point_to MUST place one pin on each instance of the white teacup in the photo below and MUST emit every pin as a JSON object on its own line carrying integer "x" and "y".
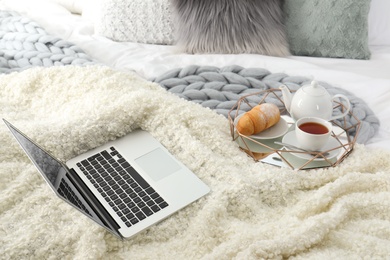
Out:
{"x": 312, "y": 133}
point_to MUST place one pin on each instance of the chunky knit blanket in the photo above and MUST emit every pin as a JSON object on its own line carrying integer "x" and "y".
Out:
{"x": 220, "y": 88}
{"x": 254, "y": 210}
{"x": 25, "y": 44}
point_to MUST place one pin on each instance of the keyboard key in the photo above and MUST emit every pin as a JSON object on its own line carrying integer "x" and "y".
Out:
{"x": 134, "y": 185}
{"x": 155, "y": 208}
{"x": 130, "y": 204}
{"x": 135, "y": 209}
{"x": 84, "y": 163}
{"x": 158, "y": 200}
{"x": 106, "y": 155}
{"x": 150, "y": 190}
{"x": 163, "y": 205}
{"x": 114, "y": 197}
{"x": 147, "y": 211}
{"x": 150, "y": 203}
{"x": 134, "y": 221}
{"x": 141, "y": 204}
{"x": 130, "y": 215}
{"x": 146, "y": 198}
{"x": 140, "y": 215}
{"x": 154, "y": 195}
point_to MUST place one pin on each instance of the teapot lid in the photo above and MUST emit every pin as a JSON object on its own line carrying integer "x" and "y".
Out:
{"x": 314, "y": 89}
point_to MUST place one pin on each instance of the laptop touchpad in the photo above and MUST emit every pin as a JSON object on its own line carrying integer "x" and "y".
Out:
{"x": 157, "y": 164}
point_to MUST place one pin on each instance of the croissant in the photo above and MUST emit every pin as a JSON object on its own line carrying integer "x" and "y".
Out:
{"x": 258, "y": 119}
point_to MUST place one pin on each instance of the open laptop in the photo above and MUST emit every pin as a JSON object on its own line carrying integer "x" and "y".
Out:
{"x": 126, "y": 185}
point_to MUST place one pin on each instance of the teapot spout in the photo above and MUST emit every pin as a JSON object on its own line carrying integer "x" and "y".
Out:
{"x": 287, "y": 96}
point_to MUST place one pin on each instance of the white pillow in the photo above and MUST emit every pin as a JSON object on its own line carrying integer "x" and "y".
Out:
{"x": 379, "y": 23}
{"x": 74, "y": 6}
{"x": 91, "y": 9}
{"x": 143, "y": 21}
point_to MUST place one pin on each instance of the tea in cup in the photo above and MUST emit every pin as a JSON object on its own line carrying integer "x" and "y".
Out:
{"x": 312, "y": 133}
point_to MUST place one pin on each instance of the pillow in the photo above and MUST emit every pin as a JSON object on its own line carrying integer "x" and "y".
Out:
{"x": 330, "y": 28}
{"x": 379, "y": 23}
{"x": 74, "y": 6}
{"x": 143, "y": 21}
{"x": 91, "y": 10}
{"x": 230, "y": 26}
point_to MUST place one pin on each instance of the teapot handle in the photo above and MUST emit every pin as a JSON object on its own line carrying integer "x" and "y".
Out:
{"x": 348, "y": 106}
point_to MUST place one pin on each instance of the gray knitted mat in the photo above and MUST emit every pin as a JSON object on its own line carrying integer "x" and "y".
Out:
{"x": 220, "y": 88}
{"x": 24, "y": 44}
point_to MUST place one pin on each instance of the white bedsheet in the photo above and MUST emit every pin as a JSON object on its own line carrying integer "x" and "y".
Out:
{"x": 367, "y": 79}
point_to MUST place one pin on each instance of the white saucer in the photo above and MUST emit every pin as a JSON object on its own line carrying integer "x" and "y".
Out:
{"x": 275, "y": 131}
{"x": 246, "y": 144}
{"x": 290, "y": 138}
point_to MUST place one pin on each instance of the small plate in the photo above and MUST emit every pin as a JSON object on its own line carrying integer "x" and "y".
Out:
{"x": 290, "y": 138}
{"x": 257, "y": 148}
{"x": 275, "y": 131}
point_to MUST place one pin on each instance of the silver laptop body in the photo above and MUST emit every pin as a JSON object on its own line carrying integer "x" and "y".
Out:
{"x": 125, "y": 186}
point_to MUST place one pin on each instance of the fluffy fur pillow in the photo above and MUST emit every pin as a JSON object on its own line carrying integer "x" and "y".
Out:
{"x": 230, "y": 26}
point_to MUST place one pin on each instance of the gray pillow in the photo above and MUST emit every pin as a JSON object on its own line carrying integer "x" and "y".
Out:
{"x": 328, "y": 28}
{"x": 230, "y": 26}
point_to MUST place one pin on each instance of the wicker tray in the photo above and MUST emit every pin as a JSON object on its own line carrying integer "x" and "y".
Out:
{"x": 268, "y": 152}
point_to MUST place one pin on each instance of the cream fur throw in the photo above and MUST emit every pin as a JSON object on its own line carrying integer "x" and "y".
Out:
{"x": 254, "y": 210}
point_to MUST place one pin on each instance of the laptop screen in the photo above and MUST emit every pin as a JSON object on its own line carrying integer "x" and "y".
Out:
{"x": 46, "y": 164}
{"x": 55, "y": 175}
{"x": 53, "y": 171}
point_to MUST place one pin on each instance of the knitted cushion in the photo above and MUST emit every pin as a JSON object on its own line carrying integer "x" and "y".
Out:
{"x": 143, "y": 21}
{"x": 331, "y": 28}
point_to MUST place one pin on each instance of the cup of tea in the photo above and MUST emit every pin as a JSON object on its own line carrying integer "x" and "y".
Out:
{"x": 312, "y": 133}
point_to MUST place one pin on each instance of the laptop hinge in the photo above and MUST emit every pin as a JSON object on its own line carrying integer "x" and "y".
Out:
{"x": 95, "y": 204}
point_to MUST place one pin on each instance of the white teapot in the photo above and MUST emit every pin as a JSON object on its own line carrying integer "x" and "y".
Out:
{"x": 312, "y": 101}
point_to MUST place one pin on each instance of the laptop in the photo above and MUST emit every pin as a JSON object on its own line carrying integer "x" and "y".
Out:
{"x": 126, "y": 185}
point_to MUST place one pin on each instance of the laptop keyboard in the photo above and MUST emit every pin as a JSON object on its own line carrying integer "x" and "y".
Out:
{"x": 65, "y": 191}
{"x": 131, "y": 197}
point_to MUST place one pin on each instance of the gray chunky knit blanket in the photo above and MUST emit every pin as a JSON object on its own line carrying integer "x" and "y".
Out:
{"x": 24, "y": 44}
{"x": 220, "y": 88}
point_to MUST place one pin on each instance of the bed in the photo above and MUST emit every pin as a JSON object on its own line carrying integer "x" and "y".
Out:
{"x": 115, "y": 85}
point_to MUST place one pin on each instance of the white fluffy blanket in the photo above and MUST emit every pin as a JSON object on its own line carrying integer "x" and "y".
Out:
{"x": 254, "y": 211}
